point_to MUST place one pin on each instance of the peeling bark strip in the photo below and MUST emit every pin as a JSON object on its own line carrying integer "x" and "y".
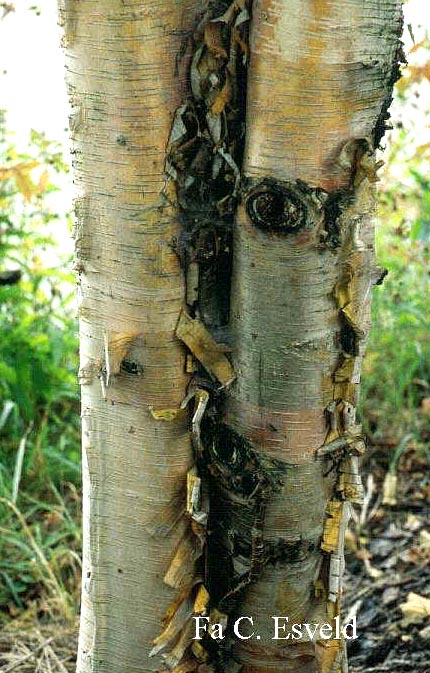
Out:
{"x": 218, "y": 478}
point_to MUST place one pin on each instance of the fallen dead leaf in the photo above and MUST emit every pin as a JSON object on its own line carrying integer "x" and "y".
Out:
{"x": 416, "y": 606}
{"x": 424, "y": 539}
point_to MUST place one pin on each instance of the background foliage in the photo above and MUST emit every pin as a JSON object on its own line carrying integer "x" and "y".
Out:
{"x": 396, "y": 376}
{"x": 39, "y": 413}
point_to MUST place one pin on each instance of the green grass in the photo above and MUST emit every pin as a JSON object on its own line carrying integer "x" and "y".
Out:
{"x": 40, "y": 537}
{"x": 40, "y": 556}
{"x": 396, "y": 374}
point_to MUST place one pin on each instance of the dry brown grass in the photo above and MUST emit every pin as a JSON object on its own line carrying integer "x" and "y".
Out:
{"x": 38, "y": 649}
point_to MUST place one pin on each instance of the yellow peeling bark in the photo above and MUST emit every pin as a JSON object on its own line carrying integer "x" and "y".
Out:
{"x": 124, "y": 87}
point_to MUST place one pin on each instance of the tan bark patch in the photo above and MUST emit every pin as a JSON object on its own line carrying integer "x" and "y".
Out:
{"x": 293, "y": 436}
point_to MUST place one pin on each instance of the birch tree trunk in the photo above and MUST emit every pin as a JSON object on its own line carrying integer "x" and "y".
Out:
{"x": 224, "y": 240}
{"x": 124, "y": 88}
{"x": 303, "y": 267}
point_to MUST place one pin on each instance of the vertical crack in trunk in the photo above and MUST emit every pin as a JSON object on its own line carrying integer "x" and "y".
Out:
{"x": 203, "y": 157}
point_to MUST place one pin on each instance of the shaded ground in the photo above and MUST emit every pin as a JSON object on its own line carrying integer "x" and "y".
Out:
{"x": 388, "y": 558}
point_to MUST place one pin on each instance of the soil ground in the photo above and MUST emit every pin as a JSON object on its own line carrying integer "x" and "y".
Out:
{"x": 388, "y": 559}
